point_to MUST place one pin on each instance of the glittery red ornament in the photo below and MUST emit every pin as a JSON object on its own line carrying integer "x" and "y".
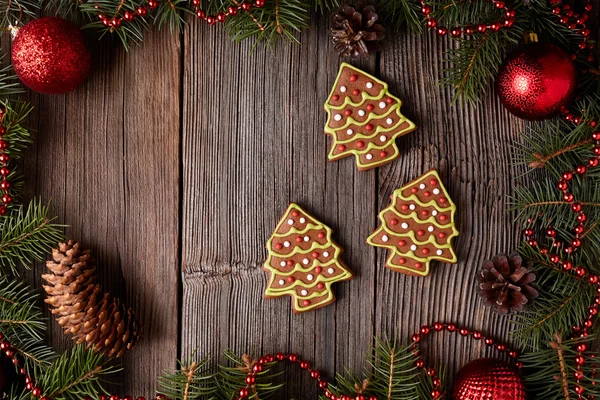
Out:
{"x": 488, "y": 378}
{"x": 536, "y": 80}
{"x": 50, "y": 55}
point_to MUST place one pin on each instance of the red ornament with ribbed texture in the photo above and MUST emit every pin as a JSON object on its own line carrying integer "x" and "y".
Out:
{"x": 536, "y": 80}
{"x": 488, "y": 378}
{"x": 50, "y": 55}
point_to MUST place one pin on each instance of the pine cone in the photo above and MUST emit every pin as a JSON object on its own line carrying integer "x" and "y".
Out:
{"x": 82, "y": 309}
{"x": 355, "y": 32}
{"x": 506, "y": 284}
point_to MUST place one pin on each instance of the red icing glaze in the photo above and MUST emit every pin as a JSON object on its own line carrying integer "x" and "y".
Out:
{"x": 404, "y": 207}
{"x": 369, "y": 127}
{"x": 389, "y": 100}
{"x": 278, "y": 246}
{"x": 306, "y": 303}
{"x": 401, "y": 243}
{"x": 335, "y": 97}
{"x": 427, "y": 194}
{"x": 414, "y": 190}
{"x": 320, "y": 285}
{"x": 341, "y": 147}
{"x": 383, "y": 154}
{"x": 370, "y": 107}
{"x": 348, "y": 112}
{"x": 356, "y": 92}
{"x": 318, "y": 270}
{"x": 394, "y": 222}
{"x": 418, "y": 265}
{"x": 433, "y": 182}
{"x": 320, "y": 235}
{"x": 290, "y": 263}
{"x": 424, "y": 213}
{"x": 425, "y": 251}
{"x": 443, "y": 200}
{"x": 402, "y": 260}
{"x": 420, "y": 232}
{"x": 299, "y": 239}
{"x": 443, "y": 218}
{"x": 441, "y": 235}
{"x": 295, "y": 213}
{"x": 291, "y": 279}
{"x": 360, "y": 144}
{"x": 353, "y": 78}
{"x": 315, "y": 254}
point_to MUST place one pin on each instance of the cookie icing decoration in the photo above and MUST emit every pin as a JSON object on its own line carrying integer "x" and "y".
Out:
{"x": 364, "y": 119}
{"x": 418, "y": 226}
{"x": 306, "y": 269}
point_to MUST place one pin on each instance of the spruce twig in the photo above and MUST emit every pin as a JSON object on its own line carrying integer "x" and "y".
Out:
{"x": 557, "y": 345}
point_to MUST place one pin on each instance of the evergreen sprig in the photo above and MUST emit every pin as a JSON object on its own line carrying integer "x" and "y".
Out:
{"x": 191, "y": 381}
{"x": 26, "y": 235}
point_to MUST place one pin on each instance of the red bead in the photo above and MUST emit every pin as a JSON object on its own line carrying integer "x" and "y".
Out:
{"x": 200, "y": 14}
{"x": 304, "y": 365}
{"x": 579, "y": 390}
{"x": 7, "y": 198}
{"x": 476, "y": 335}
{"x": 501, "y": 347}
{"x": 567, "y": 176}
{"x": 36, "y": 392}
{"x": 431, "y": 23}
{"x": 152, "y": 3}
{"x": 5, "y": 185}
{"x": 580, "y": 169}
{"x": 463, "y": 331}
{"x": 442, "y": 31}
{"x": 141, "y": 11}
{"x": 3, "y": 144}
{"x": 420, "y": 363}
{"x": 426, "y": 9}
{"x": 455, "y": 32}
{"x": 251, "y": 379}
{"x": 435, "y": 393}
{"x": 438, "y": 326}
{"x": 416, "y": 338}
{"x": 582, "y": 217}
{"x": 128, "y": 16}
{"x": 425, "y": 330}
{"x": 568, "y": 197}
{"x": 500, "y": 4}
{"x": 221, "y": 17}
{"x": 4, "y": 158}
{"x": 210, "y": 20}
{"x": 562, "y": 185}
{"x": 243, "y": 393}
{"x": 481, "y": 28}
{"x": 259, "y": 3}
{"x": 114, "y": 397}
{"x": 293, "y": 357}
{"x": 315, "y": 374}
{"x": 576, "y": 207}
{"x": 246, "y": 6}
{"x": 578, "y": 374}
{"x": 257, "y": 368}
{"x": 451, "y": 327}
{"x": 232, "y": 10}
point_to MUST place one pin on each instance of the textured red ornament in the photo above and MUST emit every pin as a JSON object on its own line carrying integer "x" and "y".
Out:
{"x": 50, "y": 56}
{"x": 536, "y": 80}
{"x": 488, "y": 378}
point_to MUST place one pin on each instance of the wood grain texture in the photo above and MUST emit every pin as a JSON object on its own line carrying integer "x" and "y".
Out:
{"x": 199, "y": 150}
{"x": 107, "y": 156}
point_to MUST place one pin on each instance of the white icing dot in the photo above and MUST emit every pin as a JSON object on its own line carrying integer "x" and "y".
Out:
{"x": 430, "y": 229}
{"x": 413, "y": 247}
{"x": 404, "y": 225}
{"x": 436, "y": 191}
{"x": 382, "y": 104}
{"x": 305, "y": 261}
{"x": 309, "y": 277}
{"x": 434, "y": 213}
{"x": 383, "y": 138}
{"x": 283, "y": 264}
{"x": 369, "y": 85}
{"x": 343, "y": 89}
{"x": 412, "y": 206}
{"x": 439, "y": 252}
{"x": 389, "y": 121}
{"x": 338, "y": 117}
{"x": 304, "y": 292}
{"x": 281, "y": 282}
{"x": 349, "y": 131}
{"x": 290, "y": 221}
{"x": 331, "y": 270}
{"x": 361, "y": 113}
{"x": 286, "y": 244}
{"x": 306, "y": 238}
{"x": 325, "y": 254}
{"x": 422, "y": 186}
{"x": 385, "y": 238}
{"x": 369, "y": 156}
{"x": 302, "y": 220}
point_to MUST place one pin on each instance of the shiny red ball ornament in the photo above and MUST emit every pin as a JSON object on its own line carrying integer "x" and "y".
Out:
{"x": 50, "y": 55}
{"x": 488, "y": 378}
{"x": 536, "y": 80}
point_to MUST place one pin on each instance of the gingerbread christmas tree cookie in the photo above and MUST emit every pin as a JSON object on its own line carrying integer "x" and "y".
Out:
{"x": 364, "y": 119}
{"x": 303, "y": 261}
{"x": 418, "y": 226}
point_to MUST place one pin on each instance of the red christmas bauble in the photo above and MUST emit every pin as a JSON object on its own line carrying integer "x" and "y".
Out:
{"x": 536, "y": 80}
{"x": 488, "y": 378}
{"x": 50, "y": 55}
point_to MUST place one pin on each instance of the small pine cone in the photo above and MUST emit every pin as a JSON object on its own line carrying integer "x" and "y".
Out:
{"x": 506, "y": 284}
{"x": 355, "y": 32}
{"x": 82, "y": 309}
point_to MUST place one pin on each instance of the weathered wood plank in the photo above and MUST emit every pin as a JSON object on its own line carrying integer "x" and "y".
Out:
{"x": 253, "y": 142}
{"x": 107, "y": 155}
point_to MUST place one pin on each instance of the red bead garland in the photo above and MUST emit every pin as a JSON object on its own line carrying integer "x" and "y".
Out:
{"x": 450, "y": 327}
{"x": 4, "y": 170}
{"x": 305, "y": 365}
{"x": 576, "y": 22}
{"x": 507, "y": 21}
{"x": 142, "y": 11}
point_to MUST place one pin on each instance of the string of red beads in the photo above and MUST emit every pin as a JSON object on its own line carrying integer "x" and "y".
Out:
{"x": 305, "y": 365}
{"x": 576, "y": 22}
{"x": 142, "y": 11}
{"x": 507, "y": 21}
{"x": 4, "y": 170}
{"x": 450, "y": 327}
{"x": 13, "y": 355}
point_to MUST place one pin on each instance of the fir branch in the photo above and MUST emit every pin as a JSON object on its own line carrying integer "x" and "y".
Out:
{"x": 27, "y": 235}
{"x": 232, "y": 377}
{"x": 20, "y": 316}
{"x": 557, "y": 346}
{"x": 398, "y": 14}
{"x": 191, "y": 381}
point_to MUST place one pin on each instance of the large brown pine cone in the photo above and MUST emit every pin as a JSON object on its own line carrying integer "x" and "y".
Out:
{"x": 355, "y": 32}
{"x": 506, "y": 284}
{"x": 81, "y": 307}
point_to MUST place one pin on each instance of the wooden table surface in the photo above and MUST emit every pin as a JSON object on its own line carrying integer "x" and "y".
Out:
{"x": 175, "y": 161}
